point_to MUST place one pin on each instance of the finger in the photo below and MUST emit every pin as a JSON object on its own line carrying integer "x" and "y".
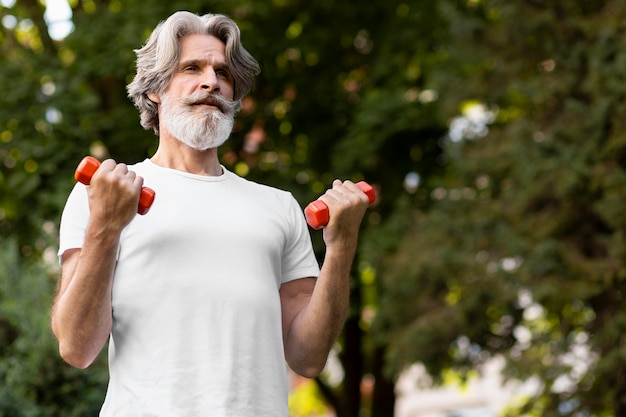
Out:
{"x": 121, "y": 169}
{"x": 350, "y": 191}
{"x": 107, "y": 165}
{"x": 138, "y": 180}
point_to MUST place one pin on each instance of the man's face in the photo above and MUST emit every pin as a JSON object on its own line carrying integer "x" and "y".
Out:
{"x": 196, "y": 107}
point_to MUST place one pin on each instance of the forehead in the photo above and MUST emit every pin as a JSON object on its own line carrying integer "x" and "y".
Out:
{"x": 198, "y": 46}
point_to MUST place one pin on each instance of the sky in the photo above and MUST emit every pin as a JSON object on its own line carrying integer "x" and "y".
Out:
{"x": 59, "y": 17}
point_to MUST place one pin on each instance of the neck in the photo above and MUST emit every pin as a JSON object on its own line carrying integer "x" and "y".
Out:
{"x": 174, "y": 154}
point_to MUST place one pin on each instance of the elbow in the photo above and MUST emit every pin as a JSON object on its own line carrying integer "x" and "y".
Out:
{"x": 75, "y": 357}
{"x": 69, "y": 353}
{"x": 309, "y": 370}
{"x": 75, "y": 350}
{"x": 305, "y": 360}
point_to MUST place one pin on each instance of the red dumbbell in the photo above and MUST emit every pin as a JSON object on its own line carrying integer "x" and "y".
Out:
{"x": 89, "y": 165}
{"x": 316, "y": 212}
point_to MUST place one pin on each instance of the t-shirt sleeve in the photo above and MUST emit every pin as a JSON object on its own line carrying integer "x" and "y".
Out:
{"x": 74, "y": 220}
{"x": 299, "y": 259}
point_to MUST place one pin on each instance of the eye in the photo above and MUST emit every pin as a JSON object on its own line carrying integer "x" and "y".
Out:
{"x": 222, "y": 73}
{"x": 190, "y": 68}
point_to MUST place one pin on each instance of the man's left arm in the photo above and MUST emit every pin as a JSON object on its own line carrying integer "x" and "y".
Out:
{"x": 314, "y": 311}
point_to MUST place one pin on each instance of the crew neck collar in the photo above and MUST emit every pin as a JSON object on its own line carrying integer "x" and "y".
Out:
{"x": 225, "y": 173}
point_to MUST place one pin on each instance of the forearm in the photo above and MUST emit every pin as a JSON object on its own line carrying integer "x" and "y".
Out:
{"x": 82, "y": 314}
{"x": 315, "y": 320}
{"x": 316, "y": 328}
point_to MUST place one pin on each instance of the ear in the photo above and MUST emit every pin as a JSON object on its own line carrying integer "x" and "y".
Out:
{"x": 154, "y": 97}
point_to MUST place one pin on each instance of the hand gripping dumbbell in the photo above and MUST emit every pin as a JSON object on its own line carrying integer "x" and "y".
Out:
{"x": 316, "y": 212}
{"x": 89, "y": 165}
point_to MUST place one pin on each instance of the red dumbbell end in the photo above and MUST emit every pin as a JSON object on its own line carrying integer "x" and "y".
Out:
{"x": 146, "y": 198}
{"x": 368, "y": 190}
{"x": 317, "y": 215}
{"x": 85, "y": 170}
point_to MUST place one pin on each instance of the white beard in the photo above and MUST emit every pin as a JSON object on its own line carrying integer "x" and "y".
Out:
{"x": 200, "y": 128}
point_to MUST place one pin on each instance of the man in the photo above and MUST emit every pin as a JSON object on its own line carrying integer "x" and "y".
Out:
{"x": 205, "y": 297}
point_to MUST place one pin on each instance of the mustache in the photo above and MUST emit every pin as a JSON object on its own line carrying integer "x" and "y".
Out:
{"x": 225, "y": 105}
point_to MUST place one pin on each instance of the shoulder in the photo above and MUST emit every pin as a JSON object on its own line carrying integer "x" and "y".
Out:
{"x": 141, "y": 167}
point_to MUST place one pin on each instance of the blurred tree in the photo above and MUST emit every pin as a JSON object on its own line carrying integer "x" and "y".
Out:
{"x": 34, "y": 382}
{"x": 522, "y": 253}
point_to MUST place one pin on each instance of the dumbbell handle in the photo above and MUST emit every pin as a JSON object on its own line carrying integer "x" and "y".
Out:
{"x": 89, "y": 165}
{"x": 316, "y": 212}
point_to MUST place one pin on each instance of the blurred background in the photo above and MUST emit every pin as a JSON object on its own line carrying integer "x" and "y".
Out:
{"x": 491, "y": 273}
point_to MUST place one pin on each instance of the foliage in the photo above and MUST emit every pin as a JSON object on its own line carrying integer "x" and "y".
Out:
{"x": 33, "y": 382}
{"x": 522, "y": 254}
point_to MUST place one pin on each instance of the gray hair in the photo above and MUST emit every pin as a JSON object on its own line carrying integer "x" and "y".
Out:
{"x": 157, "y": 59}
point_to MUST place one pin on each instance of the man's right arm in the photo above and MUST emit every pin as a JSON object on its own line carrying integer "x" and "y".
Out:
{"x": 81, "y": 316}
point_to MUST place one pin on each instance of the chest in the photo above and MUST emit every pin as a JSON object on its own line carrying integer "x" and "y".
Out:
{"x": 212, "y": 243}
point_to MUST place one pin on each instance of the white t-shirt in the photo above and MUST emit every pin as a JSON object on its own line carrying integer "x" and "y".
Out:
{"x": 196, "y": 311}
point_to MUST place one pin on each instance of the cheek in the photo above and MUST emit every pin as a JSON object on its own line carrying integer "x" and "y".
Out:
{"x": 180, "y": 88}
{"x": 227, "y": 89}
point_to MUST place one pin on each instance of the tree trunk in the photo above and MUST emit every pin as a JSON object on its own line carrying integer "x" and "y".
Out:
{"x": 384, "y": 396}
{"x": 352, "y": 359}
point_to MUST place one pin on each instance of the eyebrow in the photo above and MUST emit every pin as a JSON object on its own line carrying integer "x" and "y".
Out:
{"x": 200, "y": 62}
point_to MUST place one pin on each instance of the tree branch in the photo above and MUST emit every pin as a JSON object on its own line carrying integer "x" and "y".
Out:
{"x": 36, "y": 12}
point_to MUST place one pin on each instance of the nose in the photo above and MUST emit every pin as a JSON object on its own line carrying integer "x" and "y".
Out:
{"x": 210, "y": 81}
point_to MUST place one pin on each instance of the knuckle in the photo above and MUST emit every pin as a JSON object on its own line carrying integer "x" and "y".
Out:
{"x": 108, "y": 164}
{"x": 121, "y": 167}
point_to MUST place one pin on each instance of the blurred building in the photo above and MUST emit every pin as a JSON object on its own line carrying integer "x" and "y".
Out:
{"x": 485, "y": 396}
